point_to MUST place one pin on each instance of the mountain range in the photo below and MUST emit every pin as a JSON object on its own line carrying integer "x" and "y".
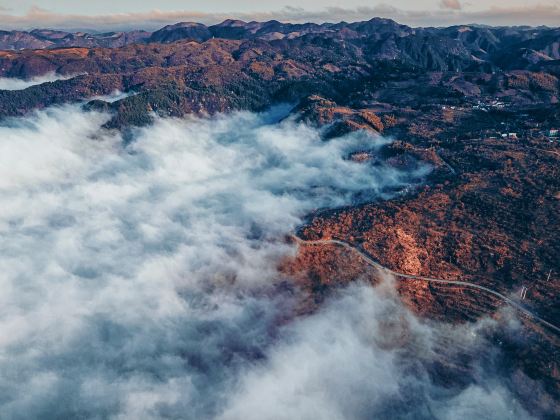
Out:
{"x": 191, "y": 68}
{"x": 456, "y": 47}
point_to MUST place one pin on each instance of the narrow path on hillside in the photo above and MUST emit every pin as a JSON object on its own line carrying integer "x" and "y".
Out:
{"x": 377, "y": 265}
{"x": 553, "y": 152}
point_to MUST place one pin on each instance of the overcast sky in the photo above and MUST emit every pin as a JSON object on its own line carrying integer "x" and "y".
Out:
{"x": 149, "y": 14}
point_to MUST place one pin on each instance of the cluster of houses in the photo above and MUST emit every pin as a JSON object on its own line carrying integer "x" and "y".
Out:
{"x": 552, "y": 135}
{"x": 495, "y": 104}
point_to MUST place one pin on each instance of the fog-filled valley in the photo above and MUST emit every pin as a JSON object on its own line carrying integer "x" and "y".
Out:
{"x": 139, "y": 279}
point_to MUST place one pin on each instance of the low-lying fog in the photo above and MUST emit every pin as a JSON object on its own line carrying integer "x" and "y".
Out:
{"x": 12, "y": 83}
{"x": 137, "y": 280}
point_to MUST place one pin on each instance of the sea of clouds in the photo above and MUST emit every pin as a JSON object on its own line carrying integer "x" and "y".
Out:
{"x": 139, "y": 279}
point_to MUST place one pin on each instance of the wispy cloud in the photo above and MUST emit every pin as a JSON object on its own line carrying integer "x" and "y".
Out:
{"x": 8, "y": 83}
{"x": 451, "y": 12}
{"x": 346, "y": 362}
{"x": 451, "y": 4}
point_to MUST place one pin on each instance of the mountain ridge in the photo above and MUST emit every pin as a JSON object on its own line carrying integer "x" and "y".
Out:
{"x": 237, "y": 29}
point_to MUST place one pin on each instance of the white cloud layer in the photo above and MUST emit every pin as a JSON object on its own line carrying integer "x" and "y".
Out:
{"x": 136, "y": 280}
{"x": 9, "y": 83}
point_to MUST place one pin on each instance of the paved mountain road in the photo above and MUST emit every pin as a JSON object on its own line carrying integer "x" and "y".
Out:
{"x": 375, "y": 264}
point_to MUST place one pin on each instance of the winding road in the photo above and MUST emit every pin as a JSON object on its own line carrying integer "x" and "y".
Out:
{"x": 375, "y": 264}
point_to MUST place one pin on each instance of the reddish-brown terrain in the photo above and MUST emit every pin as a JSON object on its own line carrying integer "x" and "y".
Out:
{"x": 494, "y": 222}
